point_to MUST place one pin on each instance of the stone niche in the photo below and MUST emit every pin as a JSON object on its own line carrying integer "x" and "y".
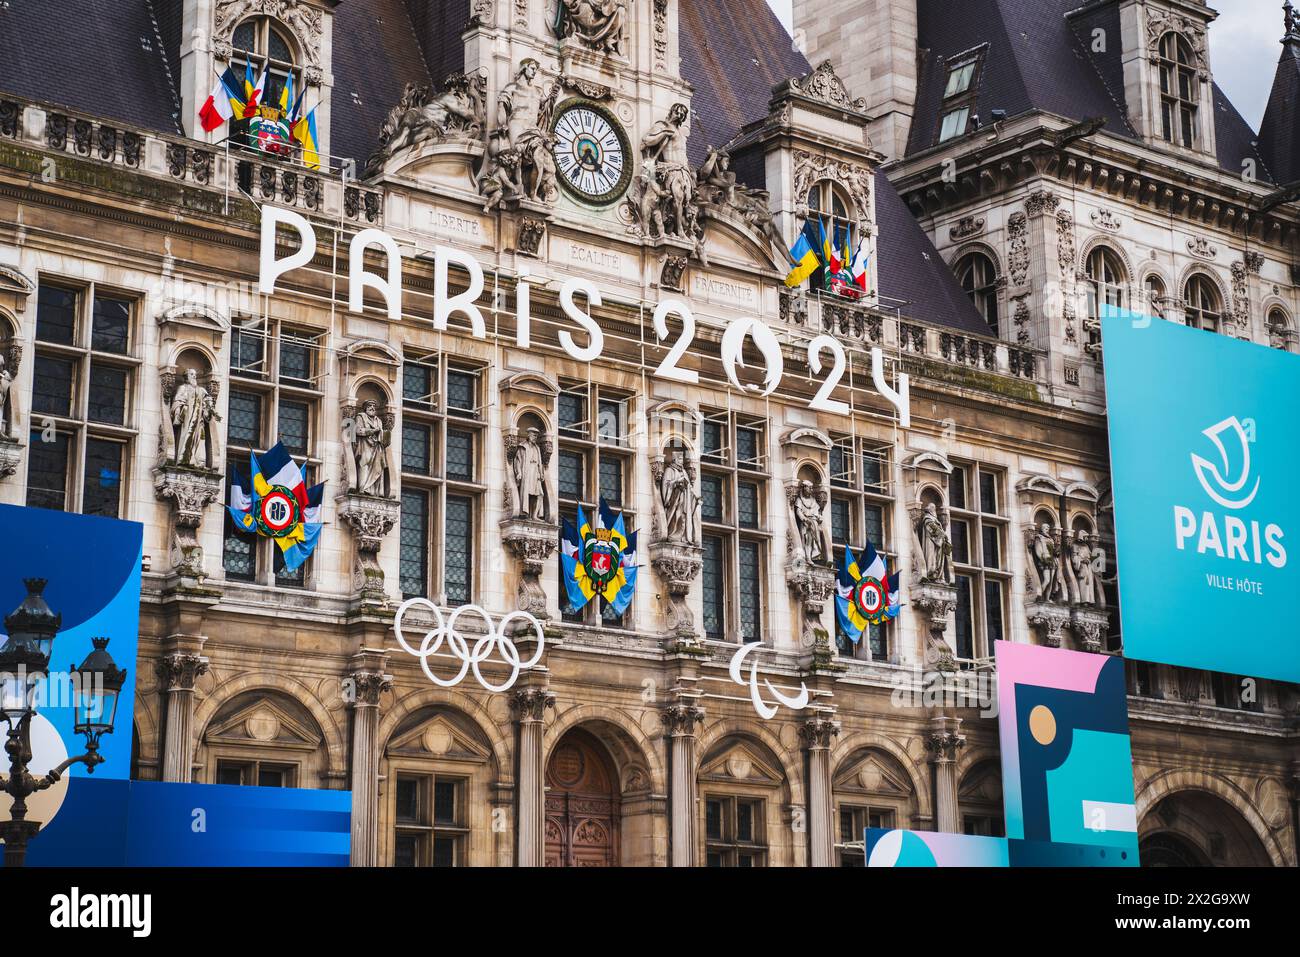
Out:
{"x": 530, "y": 530}
{"x": 11, "y": 431}
{"x": 810, "y": 563}
{"x": 675, "y": 552}
{"x": 367, "y": 498}
{"x": 188, "y": 469}
{"x": 1065, "y": 562}
{"x": 934, "y": 595}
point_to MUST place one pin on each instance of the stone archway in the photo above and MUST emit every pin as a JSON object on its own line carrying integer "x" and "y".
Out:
{"x": 582, "y": 803}
{"x": 1193, "y": 828}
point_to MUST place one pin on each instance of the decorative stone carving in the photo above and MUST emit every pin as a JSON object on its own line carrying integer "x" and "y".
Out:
{"x": 1105, "y": 219}
{"x": 1049, "y": 620}
{"x": 532, "y": 542}
{"x": 598, "y": 24}
{"x": 813, "y": 586}
{"x": 458, "y": 113}
{"x": 371, "y": 519}
{"x": 966, "y": 228}
{"x": 530, "y": 704}
{"x": 483, "y": 14}
{"x": 1089, "y": 626}
{"x": 1085, "y": 563}
{"x": 1041, "y": 202}
{"x": 663, "y": 154}
{"x": 672, "y": 273}
{"x": 189, "y": 439}
{"x": 1065, "y": 259}
{"x": 661, "y": 34}
{"x": 1240, "y": 315}
{"x": 675, "y": 478}
{"x": 519, "y": 165}
{"x": 10, "y": 357}
{"x": 1046, "y": 574}
{"x": 824, "y": 85}
{"x": 819, "y": 731}
{"x": 528, "y": 240}
{"x": 1202, "y": 248}
{"x": 190, "y": 491}
{"x": 678, "y": 564}
{"x": 367, "y": 437}
{"x": 1160, "y": 22}
{"x": 179, "y": 671}
{"x": 811, "y": 168}
{"x": 305, "y": 20}
{"x": 1020, "y": 318}
{"x": 1018, "y": 258}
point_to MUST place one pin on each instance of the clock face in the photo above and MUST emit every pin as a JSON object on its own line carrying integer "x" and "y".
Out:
{"x": 592, "y": 155}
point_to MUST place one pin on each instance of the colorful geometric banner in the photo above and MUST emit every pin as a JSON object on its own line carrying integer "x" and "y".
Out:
{"x": 1067, "y": 767}
{"x": 886, "y": 847}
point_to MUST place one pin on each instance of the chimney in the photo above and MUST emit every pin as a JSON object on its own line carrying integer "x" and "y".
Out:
{"x": 872, "y": 45}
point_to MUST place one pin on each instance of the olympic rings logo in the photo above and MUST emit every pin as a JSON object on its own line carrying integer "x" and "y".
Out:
{"x": 470, "y": 658}
{"x": 765, "y": 710}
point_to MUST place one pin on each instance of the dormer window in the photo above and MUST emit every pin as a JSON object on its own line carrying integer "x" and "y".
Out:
{"x": 257, "y": 41}
{"x": 960, "y": 78}
{"x": 954, "y": 123}
{"x": 959, "y": 98}
{"x": 1178, "y": 91}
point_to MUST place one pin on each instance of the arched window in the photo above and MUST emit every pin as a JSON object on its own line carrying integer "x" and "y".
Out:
{"x": 1178, "y": 90}
{"x": 1105, "y": 281}
{"x": 828, "y": 204}
{"x": 256, "y": 41}
{"x": 1279, "y": 329}
{"x": 1153, "y": 292}
{"x": 1203, "y": 307}
{"x": 978, "y": 277}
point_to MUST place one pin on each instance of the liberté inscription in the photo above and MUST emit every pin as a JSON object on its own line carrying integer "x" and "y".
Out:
{"x": 388, "y": 286}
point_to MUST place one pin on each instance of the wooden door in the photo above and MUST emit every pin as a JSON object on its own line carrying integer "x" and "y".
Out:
{"x": 582, "y": 810}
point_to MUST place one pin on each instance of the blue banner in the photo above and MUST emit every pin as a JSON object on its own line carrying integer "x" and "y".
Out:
{"x": 1205, "y": 450}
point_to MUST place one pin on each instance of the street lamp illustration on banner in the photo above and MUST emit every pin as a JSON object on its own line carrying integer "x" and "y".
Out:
{"x": 24, "y": 661}
{"x": 865, "y": 592}
{"x": 276, "y": 504}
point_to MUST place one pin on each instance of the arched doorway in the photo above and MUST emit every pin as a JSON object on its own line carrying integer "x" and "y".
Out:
{"x": 582, "y": 804}
{"x": 1193, "y": 828}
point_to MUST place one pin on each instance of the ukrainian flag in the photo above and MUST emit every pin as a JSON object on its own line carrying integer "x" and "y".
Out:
{"x": 618, "y": 592}
{"x": 304, "y": 131}
{"x": 804, "y": 254}
{"x": 851, "y": 621}
{"x": 579, "y": 588}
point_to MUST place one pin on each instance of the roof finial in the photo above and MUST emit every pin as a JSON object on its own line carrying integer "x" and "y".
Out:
{"x": 1292, "y": 20}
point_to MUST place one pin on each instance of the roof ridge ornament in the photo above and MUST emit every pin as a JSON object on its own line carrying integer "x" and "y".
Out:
{"x": 824, "y": 84}
{"x": 1291, "y": 22}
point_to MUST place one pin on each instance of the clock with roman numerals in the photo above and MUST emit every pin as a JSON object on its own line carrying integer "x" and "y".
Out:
{"x": 592, "y": 154}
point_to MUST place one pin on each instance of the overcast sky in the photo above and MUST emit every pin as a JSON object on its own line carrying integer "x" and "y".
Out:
{"x": 1244, "y": 50}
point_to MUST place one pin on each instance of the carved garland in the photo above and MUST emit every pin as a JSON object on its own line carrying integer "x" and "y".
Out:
{"x": 810, "y": 169}
{"x": 305, "y": 21}
{"x": 1018, "y": 259}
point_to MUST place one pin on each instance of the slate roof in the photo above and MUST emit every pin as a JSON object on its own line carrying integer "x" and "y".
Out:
{"x": 1038, "y": 55}
{"x": 1279, "y": 134}
{"x": 104, "y": 58}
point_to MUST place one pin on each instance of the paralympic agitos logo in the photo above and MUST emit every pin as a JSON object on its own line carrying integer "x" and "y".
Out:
{"x": 1229, "y": 535}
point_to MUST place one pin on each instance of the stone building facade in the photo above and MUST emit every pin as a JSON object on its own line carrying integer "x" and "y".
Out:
{"x": 145, "y": 362}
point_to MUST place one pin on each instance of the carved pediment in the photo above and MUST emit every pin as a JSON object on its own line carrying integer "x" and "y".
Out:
{"x": 193, "y": 316}
{"x": 439, "y": 737}
{"x": 1040, "y": 483}
{"x": 984, "y": 787}
{"x": 12, "y": 280}
{"x": 265, "y": 724}
{"x": 934, "y": 461}
{"x": 872, "y": 775}
{"x": 808, "y": 437}
{"x": 741, "y": 764}
{"x": 825, "y": 86}
{"x": 1082, "y": 490}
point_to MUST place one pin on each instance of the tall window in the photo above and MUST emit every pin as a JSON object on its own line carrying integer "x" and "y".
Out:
{"x": 595, "y": 463}
{"x": 734, "y": 832}
{"x": 442, "y": 484}
{"x": 733, "y": 500}
{"x": 978, "y": 278}
{"x": 1179, "y": 89}
{"x": 1202, "y": 304}
{"x": 959, "y": 99}
{"x": 828, "y": 204}
{"x": 1105, "y": 287}
{"x": 430, "y": 821}
{"x": 254, "y": 773}
{"x": 82, "y": 421}
{"x": 275, "y": 393}
{"x": 977, "y": 502}
{"x": 854, "y": 821}
{"x": 859, "y": 512}
{"x": 257, "y": 41}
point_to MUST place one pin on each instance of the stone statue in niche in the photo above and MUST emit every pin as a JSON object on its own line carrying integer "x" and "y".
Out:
{"x": 677, "y": 493}
{"x": 519, "y": 164}
{"x": 6, "y": 406}
{"x": 936, "y": 548}
{"x": 809, "y": 502}
{"x": 663, "y": 150}
{"x": 528, "y": 467}
{"x": 1087, "y": 565}
{"x": 192, "y": 409}
{"x": 599, "y": 24}
{"x": 1047, "y": 564}
{"x": 371, "y": 437}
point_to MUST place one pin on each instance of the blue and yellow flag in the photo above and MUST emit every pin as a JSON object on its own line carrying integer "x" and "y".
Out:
{"x": 865, "y": 593}
{"x": 277, "y": 504}
{"x": 598, "y": 561}
{"x": 804, "y": 254}
{"x": 304, "y": 132}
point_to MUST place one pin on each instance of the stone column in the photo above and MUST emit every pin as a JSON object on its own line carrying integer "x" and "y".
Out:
{"x": 178, "y": 669}
{"x": 366, "y": 682}
{"x": 818, "y": 732}
{"x": 529, "y": 706}
{"x": 680, "y": 722}
{"x": 943, "y": 740}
